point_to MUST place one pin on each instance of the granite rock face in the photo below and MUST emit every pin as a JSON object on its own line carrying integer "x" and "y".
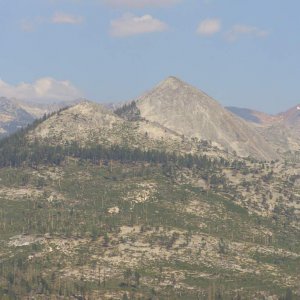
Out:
{"x": 190, "y": 112}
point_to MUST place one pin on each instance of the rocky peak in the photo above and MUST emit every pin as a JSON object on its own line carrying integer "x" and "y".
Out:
{"x": 188, "y": 111}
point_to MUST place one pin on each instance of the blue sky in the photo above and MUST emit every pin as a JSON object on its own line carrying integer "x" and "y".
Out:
{"x": 242, "y": 53}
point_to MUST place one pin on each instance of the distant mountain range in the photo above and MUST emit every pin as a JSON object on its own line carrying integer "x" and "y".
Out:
{"x": 172, "y": 108}
{"x": 281, "y": 130}
{"x": 12, "y": 116}
{"x": 290, "y": 117}
{"x": 15, "y": 114}
{"x": 251, "y": 115}
{"x": 173, "y": 111}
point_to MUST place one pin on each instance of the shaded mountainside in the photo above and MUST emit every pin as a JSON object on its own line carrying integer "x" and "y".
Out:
{"x": 253, "y": 116}
{"x": 281, "y": 130}
{"x": 38, "y": 110}
{"x": 12, "y": 117}
{"x": 15, "y": 114}
{"x": 188, "y": 111}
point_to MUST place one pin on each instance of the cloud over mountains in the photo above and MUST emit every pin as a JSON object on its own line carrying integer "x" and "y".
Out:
{"x": 45, "y": 89}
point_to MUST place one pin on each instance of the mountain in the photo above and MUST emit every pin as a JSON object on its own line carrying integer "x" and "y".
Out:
{"x": 86, "y": 122}
{"x": 98, "y": 204}
{"x": 281, "y": 137}
{"x": 180, "y": 107}
{"x": 91, "y": 123}
{"x": 291, "y": 118}
{"x": 38, "y": 110}
{"x": 12, "y": 116}
{"x": 15, "y": 114}
{"x": 281, "y": 130}
{"x": 251, "y": 115}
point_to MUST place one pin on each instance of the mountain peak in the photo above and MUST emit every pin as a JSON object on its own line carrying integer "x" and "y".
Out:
{"x": 183, "y": 108}
{"x": 173, "y": 79}
{"x": 174, "y": 85}
{"x": 172, "y": 82}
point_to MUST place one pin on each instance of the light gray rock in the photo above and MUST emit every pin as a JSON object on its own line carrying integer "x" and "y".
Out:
{"x": 183, "y": 108}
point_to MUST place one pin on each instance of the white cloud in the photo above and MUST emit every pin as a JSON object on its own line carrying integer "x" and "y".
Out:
{"x": 238, "y": 31}
{"x": 140, "y": 3}
{"x": 57, "y": 18}
{"x": 130, "y": 24}
{"x": 209, "y": 27}
{"x": 42, "y": 90}
{"x": 63, "y": 18}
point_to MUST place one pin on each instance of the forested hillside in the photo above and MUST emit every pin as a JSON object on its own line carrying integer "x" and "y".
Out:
{"x": 111, "y": 221}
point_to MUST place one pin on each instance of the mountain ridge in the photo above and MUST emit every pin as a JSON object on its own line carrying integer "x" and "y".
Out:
{"x": 16, "y": 114}
{"x": 12, "y": 116}
{"x": 185, "y": 109}
{"x": 281, "y": 130}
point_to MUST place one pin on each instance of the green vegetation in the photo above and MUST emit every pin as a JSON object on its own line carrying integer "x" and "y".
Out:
{"x": 129, "y": 112}
{"x": 67, "y": 209}
{"x": 16, "y": 151}
{"x": 116, "y": 222}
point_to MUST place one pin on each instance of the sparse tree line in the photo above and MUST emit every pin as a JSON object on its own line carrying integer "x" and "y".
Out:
{"x": 129, "y": 112}
{"x": 21, "y": 277}
{"x": 16, "y": 151}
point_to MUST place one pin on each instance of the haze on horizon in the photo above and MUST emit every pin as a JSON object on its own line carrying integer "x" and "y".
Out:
{"x": 242, "y": 54}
